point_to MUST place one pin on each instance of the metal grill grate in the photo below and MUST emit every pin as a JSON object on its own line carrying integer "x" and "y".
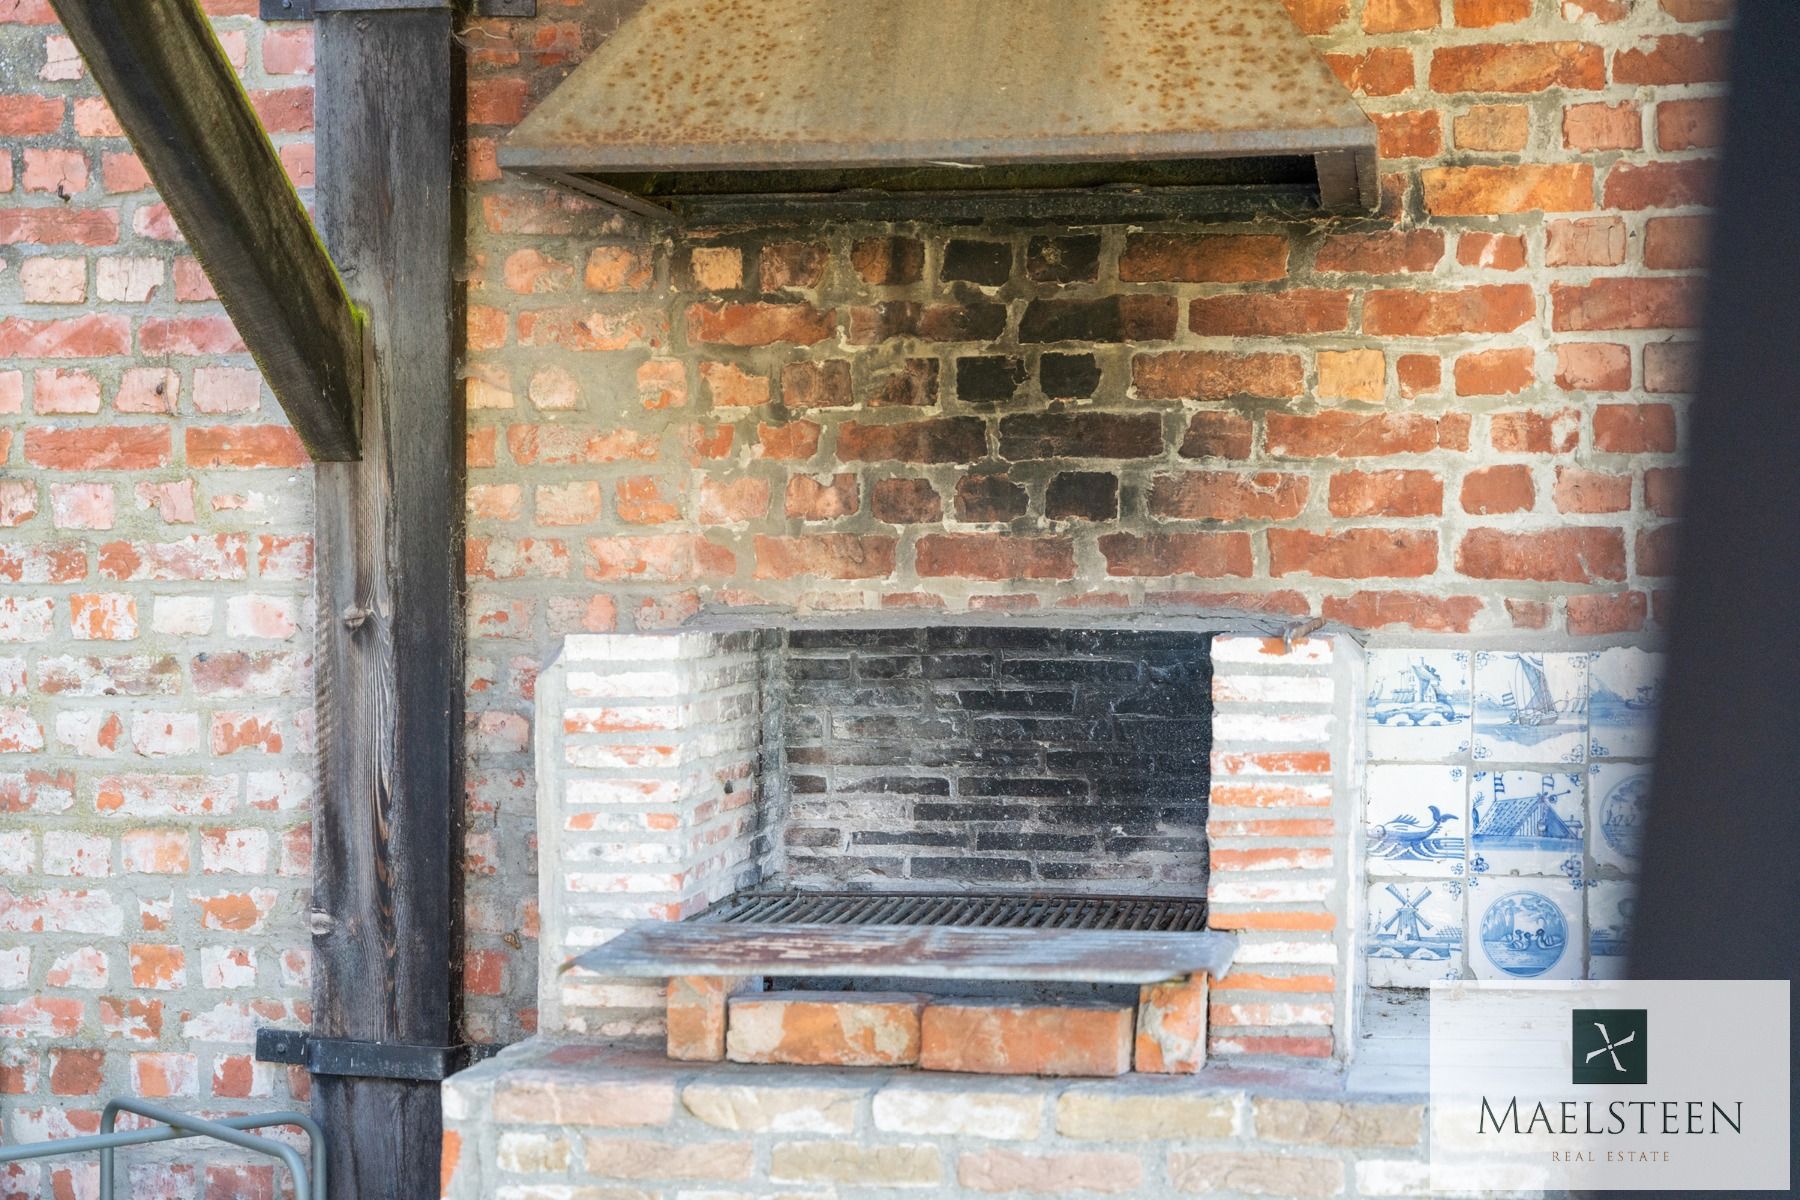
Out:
{"x": 1011, "y": 910}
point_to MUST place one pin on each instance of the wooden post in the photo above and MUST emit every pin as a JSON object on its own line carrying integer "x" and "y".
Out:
{"x": 387, "y": 880}
{"x": 179, "y": 101}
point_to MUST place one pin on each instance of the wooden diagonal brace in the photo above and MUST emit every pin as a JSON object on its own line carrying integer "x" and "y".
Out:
{"x": 161, "y": 69}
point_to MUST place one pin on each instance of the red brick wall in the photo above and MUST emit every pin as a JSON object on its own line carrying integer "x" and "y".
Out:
{"x": 155, "y": 631}
{"x": 1463, "y": 417}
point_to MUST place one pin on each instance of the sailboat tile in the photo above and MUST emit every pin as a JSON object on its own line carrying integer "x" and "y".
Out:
{"x": 1419, "y": 704}
{"x": 1415, "y": 932}
{"x": 1526, "y": 823}
{"x": 1527, "y": 929}
{"x": 1611, "y": 905}
{"x": 1416, "y": 818}
{"x": 1624, "y": 693}
{"x": 1531, "y": 706}
{"x": 1618, "y": 800}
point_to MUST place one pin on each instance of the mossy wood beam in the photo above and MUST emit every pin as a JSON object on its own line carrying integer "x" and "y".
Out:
{"x": 162, "y": 70}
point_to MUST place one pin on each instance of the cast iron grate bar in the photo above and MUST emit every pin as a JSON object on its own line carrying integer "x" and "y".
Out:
{"x": 991, "y": 910}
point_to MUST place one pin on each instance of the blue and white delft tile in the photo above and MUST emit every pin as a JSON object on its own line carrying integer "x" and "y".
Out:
{"x": 1618, "y": 802}
{"x": 1611, "y": 904}
{"x": 1419, "y": 704}
{"x": 1531, "y": 707}
{"x": 1624, "y": 693}
{"x": 1414, "y": 934}
{"x": 1527, "y": 822}
{"x": 1415, "y": 818}
{"x": 1527, "y": 929}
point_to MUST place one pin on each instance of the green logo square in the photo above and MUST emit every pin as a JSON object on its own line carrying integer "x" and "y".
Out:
{"x": 1608, "y": 1045}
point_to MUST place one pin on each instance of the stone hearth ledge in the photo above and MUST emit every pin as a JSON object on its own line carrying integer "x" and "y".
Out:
{"x": 560, "y": 1120}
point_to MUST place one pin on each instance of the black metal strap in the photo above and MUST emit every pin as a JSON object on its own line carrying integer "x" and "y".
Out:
{"x": 367, "y": 1060}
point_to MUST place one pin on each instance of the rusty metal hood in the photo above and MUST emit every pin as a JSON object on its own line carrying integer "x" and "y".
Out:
{"x": 1036, "y": 109}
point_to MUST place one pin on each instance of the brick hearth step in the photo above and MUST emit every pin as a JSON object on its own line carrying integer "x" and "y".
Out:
{"x": 994, "y": 1037}
{"x": 836, "y": 1029}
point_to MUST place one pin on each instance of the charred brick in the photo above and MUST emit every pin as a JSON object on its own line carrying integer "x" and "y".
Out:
{"x": 968, "y": 260}
{"x": 1110, "y": 319}
{"x": 989, "y": 498}
{"x": 989, "y": 379}
{"x": 1082, "y": 496}
{"x": 1069, "y": 376}
{"x": 1080, "y": 435}
{"x": 1063, "y": 259}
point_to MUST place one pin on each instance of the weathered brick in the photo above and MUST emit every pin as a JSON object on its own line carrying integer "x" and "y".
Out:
{"x": 1518, "y": 67}
{"x": 1171, "y": 1028}
{"x": 1625, "y": 303}
{"x": 1495, "y": 127}
{"x": 1579, "y": 554}
{"x": 1495, "y": 372}
{"x": 995, "y": 556}
{"x": 1207, "y": 555}
{"x": 1674, "y": 58}
{"x": 1049, "y": 1174}
{"x": 996, "y": 1038}
{"x": 759, "y": 324}
{"x": 1498, "y": 308}
{"x": 1675, "y": 243}
{"x": 1395, "y": 493}
{"x": 1107, "y": 1115}
{"x": 1500, "y": 489}
{"x": 940, "y": 440}
{"x": 1270, "y": 314}
{"x": 1259, "y": 1173}
{"x": 1482, "y": 190}
{"x": 1634, "y": 429}
{"x": 1363, "y": 553}
{"x": 922, "y": 1107}
{"x": 844, "y": 1162}
{"x": 1215, "y": 375}
{"x": 1229, "y": 495}
{"x": 1187, "y": 258}
{"x": 1587, "y": 242}
{"x": 1636, "y": 186}
{"x": 749, "y": 1108}
{"x": 824, "y": 555}
{"x": 696, "y": 1015}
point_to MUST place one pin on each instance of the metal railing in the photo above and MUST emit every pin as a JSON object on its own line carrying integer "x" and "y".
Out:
{"x": 309, "y": 1184}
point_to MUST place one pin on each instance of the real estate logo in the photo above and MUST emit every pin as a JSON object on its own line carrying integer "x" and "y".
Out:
{"x": 1609, "y": 1045}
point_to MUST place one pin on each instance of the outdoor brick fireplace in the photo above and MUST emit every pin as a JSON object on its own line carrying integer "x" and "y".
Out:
{"x": 677, "y": 770}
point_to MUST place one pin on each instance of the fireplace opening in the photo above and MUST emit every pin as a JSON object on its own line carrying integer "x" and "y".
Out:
{"x": 995, "y": 758}
{"x": 1021, "y": 778}
{"x": 960, "y": 828}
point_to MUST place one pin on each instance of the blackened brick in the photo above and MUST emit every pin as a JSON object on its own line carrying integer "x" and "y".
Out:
{"x": 989, "y": 378}
{"x": 1063, "y": 259}
{"x": 989, "y": 498}
{"x": 889, "y": 260}
{"x": 1110, "y": 319}
{"x": 994, "y": 869}
{"x": 1083, "y": 496}
{"x": 967, "y": 260}
{"x": 906, "y": 501}
{"x": 914, "y": 384}
{"x": 1080, "y": 435}
{"x": 1069, "y": 376}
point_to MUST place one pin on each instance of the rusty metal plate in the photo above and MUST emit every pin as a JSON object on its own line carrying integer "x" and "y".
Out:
{"x": 755, "y": 85}
{"x": 653, "y": 949}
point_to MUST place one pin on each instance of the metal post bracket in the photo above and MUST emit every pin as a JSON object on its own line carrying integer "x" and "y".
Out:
{"x": 366, "y": 1060}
